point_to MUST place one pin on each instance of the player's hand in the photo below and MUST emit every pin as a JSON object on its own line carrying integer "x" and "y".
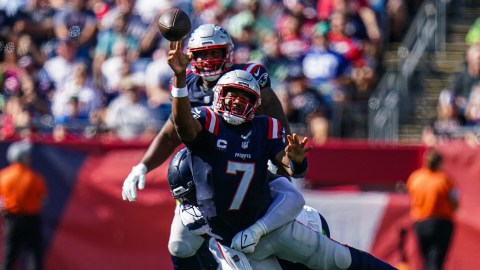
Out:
{"x": 247, "y": 240}
{"x": 177, "y": 60}
{"x": 135, "y": 179}
{"x": 295, "y": 149}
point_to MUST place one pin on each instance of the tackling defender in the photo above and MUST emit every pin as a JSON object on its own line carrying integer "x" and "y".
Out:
{"x": 230, "y": 148}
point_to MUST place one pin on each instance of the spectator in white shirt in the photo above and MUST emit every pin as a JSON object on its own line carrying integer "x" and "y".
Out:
{"x": 59, "y": 68}
{"x": 128, "y": 116}
{"x": 89, "y": 99}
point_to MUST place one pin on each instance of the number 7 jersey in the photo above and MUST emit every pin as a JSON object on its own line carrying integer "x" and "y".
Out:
{"x": 229, "y": 167}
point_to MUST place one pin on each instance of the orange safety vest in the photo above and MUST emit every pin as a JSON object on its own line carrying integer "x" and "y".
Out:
{"x": 430, "y": 194}
{"x": 21, "y": 190}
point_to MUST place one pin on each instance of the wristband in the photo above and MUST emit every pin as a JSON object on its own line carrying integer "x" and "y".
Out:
{"x": 179, "y": 92}
{"x": 299, "y": 171}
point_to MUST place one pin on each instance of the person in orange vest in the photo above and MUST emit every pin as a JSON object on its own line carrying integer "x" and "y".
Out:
{"x": 434, "y": 199}
{"x": 22, "y": 192}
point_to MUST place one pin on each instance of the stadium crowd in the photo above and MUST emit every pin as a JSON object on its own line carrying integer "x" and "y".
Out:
{"x": 458, "y": 107}
{"x": 83, "y": 69}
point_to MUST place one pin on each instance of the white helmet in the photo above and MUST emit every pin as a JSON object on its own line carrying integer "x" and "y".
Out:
{"x": 208, "y": 37}
{"x": 237, "y": 80}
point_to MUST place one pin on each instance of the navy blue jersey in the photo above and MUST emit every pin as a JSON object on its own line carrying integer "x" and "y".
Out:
{"x": 229, "y": 167}
{"x": 199, "y": 95}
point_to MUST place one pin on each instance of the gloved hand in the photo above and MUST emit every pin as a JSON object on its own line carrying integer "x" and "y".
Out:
{"x": 134, "y": 179}
{"x": 247, "y": 240}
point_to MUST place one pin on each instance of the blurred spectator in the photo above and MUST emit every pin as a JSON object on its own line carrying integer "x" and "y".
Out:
{"x": 318, "y": 128}
{"x": 27, "y": 53}
{"x": 128, "y": 116}
{"x": 293, "y": 42}
{"x": 157, "y": 83}
{"x": 73, "y": 124}
{"x": 145, "y": 32}
{"x": 303, "y": 8}
{"x": 119, "y": 7}
{"x": 22, "y": 193}
{"x": 210, "y": 11}
{"x": 115, "y": 45}
{"x": 469, "y": 76}
{"x": 270, "y": 56}
{"x": 16, "y": 119}
{"x": 99, "y": 8}
{"x": 299, "y": 101}
{"x": 36, "y": 21}
{"x": 59, "y": 69}
{"x": 79, "y": 87}
{"x": 244, "y": 45}
{"x": 148, "y": 10}
{"x": 447, "y": 122}
{"x": 11, "y": 70}
{"x": 36, "y": 104}
{"x": 473, "y": 34}
{"x": 115, "y": 67}
{"x": 326, "y": 70}
{"x": 119, "y": 35}
{"x": 434, "y": 199}
{"x": 359, "y": 17}
{"x": 397, "y": 18}
{"x": 254, "y": 17}
{"x": 342, "y": 43}
{"x": 75, "y": 22}
{"x": 364, "y": 80}
{"x": 472, "y": 109}
{"x": 12, "y": 7}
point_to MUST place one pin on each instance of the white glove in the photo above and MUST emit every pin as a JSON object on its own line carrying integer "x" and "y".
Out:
{"x": 134, "y": 179}
{"x": 247, "y": 240}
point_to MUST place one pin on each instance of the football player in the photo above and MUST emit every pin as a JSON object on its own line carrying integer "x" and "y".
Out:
{"x": 286, "y": 201}
{"x": 230, "y": 147}
{"x": 211, "y": 49}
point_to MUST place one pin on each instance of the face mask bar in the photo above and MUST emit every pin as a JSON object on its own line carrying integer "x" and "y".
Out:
{"x": 246, "y": 113}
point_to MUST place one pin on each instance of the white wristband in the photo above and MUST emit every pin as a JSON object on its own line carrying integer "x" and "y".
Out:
{"x": 179, "y": 92}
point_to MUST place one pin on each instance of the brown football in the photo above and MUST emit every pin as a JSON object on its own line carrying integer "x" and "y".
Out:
{"x": 174, "y": 24}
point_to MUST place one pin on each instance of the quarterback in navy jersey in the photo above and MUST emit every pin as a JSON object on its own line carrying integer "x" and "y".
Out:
{"x": 230, "y": 161}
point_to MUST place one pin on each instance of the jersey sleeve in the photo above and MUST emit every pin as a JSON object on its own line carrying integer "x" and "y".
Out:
{"x": 275, "y": 135}
{"x": 210, "y": 122}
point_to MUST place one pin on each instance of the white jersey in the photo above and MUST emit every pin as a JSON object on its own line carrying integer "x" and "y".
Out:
{"x": 192, "y": 219}
{"x": 305, "y": 238}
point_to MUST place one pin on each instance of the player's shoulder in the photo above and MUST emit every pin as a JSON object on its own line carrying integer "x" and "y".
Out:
{"x": 257, "y": 70}
{"x": 270, "y": 125}
{"x": 208, "y": 118}
{"x": 191, "y": 78}
{"x": 201, "y": 111}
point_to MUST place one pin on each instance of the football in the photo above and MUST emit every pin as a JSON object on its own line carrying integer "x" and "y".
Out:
{"x": 174, "y": 24}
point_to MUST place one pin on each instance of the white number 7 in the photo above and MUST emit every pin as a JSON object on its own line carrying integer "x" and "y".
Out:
{"x": 247, "y": 169}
